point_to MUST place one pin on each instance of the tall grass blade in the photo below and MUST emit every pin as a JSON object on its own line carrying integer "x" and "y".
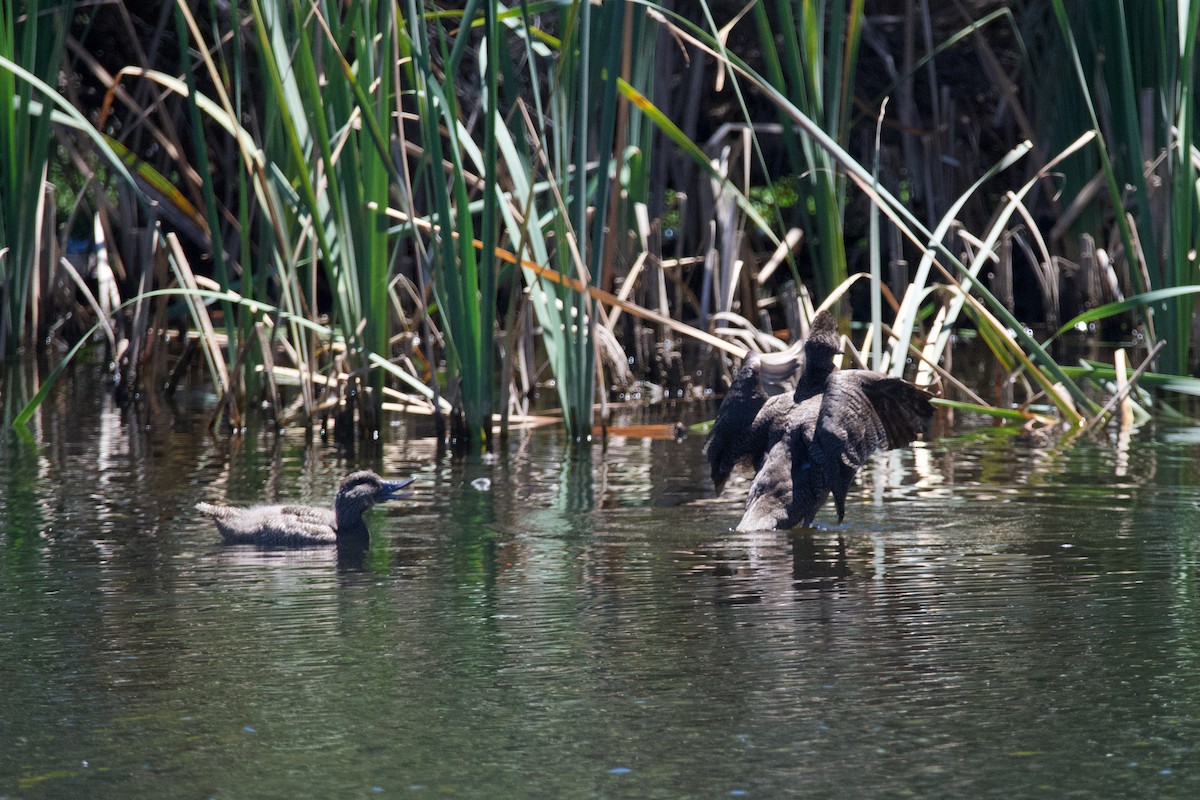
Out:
{"x": 1138, "y": 48}
{"x": 906, "y": 221}
{"x": 34, "y": 39}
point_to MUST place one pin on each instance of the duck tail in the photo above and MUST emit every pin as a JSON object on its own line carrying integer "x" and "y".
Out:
{"x": 211, "y": 510}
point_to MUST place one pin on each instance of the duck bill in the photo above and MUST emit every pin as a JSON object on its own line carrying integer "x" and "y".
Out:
{"x": 393, "y": 490}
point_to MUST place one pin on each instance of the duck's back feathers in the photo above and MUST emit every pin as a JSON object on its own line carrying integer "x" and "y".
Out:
{"x": 310, "y": 515}
{"x": 787, "y": 490}
{"x": 273, "y": 526}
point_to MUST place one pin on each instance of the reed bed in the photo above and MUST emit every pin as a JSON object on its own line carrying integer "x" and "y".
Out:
{"x": 362, "y": 208}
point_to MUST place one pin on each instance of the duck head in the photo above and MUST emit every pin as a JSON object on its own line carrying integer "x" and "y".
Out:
{"x": 361, "y": 490}
{"x": 820, "y": 348}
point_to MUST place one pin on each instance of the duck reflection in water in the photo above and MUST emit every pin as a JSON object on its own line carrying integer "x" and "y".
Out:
{"x": 308, "y": 526}
{"x": 811, "y": 443}
{"x": 814, "y": 564}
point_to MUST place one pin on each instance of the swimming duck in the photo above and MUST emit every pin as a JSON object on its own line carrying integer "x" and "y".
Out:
{"x": 811, "y": 443}
{"x": 307, "y": 526}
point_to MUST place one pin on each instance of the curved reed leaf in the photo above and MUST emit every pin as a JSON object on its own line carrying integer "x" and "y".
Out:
{"x": 163, "y": 190}
{"x": 79, "y": 121}
{"x": 1019, "y": 415}
{"x": 215, "y": 111}
{"x": 906, "y": 317}
{"x": 1137, "y": 301}
{"x": 987, "y": 247}
{"x": 1180, "y": 384}
{"x": 693, "y": 151}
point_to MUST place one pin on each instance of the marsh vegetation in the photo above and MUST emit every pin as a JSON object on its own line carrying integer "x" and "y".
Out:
{"x": 336, "y": 211}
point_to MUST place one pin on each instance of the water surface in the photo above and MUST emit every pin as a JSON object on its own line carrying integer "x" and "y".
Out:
{"x": 997, "y": 617}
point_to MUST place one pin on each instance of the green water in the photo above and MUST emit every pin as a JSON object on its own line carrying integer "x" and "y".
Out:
{"x": 1003, "y": 621}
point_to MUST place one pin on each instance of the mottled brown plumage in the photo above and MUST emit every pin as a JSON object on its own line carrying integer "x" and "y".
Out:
{"x": 307, "y": 526}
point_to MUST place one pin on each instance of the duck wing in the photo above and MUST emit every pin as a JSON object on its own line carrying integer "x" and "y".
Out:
{"x": 861, "y": 412}
{"x": 310, "y": 515}
{"x": 904, "y": 410}
{"x": 725, "y": 445}
{"x": 733, "y": 437}
{"x": 296, "y": 526}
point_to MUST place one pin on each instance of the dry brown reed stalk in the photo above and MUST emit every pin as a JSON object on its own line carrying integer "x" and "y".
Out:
{"x": 607, "y": 298}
